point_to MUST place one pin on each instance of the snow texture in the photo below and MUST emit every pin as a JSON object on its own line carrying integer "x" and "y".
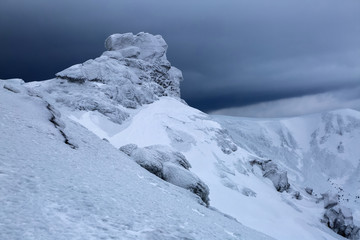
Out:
{"x": 51, "y": 191}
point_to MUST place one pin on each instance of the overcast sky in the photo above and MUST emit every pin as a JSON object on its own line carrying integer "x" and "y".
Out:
{"x": 232, "y": 53}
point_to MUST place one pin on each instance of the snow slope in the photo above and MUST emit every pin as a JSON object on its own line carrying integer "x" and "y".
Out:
{"x": 318, "y": 151}
{"x": 49, "y": 190}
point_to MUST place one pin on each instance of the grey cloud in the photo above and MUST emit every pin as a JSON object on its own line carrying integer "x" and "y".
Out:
{"x": 232, "y": 53}
{"x": 345, "y": 98}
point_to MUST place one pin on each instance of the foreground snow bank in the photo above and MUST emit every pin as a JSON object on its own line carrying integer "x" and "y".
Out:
{"x": 51, "y": 191}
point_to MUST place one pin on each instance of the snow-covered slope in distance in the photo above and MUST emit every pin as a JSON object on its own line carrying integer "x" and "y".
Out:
{"x": 50, "y": 190}
{"x": 320, "y": 151}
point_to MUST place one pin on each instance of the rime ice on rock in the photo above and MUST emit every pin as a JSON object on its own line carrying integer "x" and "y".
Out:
{"x": 168, "y": 165}
{"x": 134, "y": 71}
{"x": 330, "y": 199}
{"x": 142, "y": 46}
{"x": 270, "y": 170}
{"x": 340, "y": 220}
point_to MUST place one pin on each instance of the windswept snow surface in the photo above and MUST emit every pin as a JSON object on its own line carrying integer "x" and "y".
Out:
{"x": 49, "y": 190}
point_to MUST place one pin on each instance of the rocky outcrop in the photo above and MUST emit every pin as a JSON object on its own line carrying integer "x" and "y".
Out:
{"x": 309, "y": 190}
{"x": 270, "y": 170}
{"x": 132, "y": 72}
{"x": 297, "y": 195}
{"x": 340, "y": 220}
{"x": 225, "y": 142}
{"x": 330, "y": 199}
{"x": 168, "y": 165}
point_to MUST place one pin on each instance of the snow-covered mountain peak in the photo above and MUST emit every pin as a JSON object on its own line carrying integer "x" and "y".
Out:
{"x": 134, "y": 71}
{"x": 143, "y": 46}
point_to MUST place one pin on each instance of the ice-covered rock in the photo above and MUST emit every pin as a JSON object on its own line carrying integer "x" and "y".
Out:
{"x": 143, "y": 46}
{"x": 340, "y": 220}
{"x": 128, "y": 149}
{"x": 270, "y": 170}
{"x": 297, "y": 195}
{"x": 132, "y": 72}
{"x": 168, "y": 165}
{"x": 180, "y": 177}
{"x": 309, "y": 190}
{"x": 330, "y": 199}
{"x": 13, "y": 85}
{"x": 248, "y": 192}
{"x": 225, "y": 142}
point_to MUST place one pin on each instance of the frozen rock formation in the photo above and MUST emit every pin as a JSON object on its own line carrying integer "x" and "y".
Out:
{"x": 12, "y": 85}
{"x": 225, "y": 142}
{"x": 270, "y": 170}
{"x": 309, "y": 190}
{"x": 330, "y": 199}
{"x": 142, "y": 46}
{"x": 168, "y": 165}
{"x": 133, "y": 72}
{"x": 136, "y": 64}
{"x": 297, "y": 195}
{"x": 340, "y": 220}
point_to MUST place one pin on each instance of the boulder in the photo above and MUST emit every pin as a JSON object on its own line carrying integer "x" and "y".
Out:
{"x": 297, "y": 195}
{"x": 144, "y": 46}
{"x": 183, "y": 178}
{"x": 248, "y": 192}
{"x": 309, "y": 190}
{"x": 330, "y": 199}
{"x": 270, "y": 170}
{"x": 169, "y": 165}
{"x": 128, "y": 148}
{"x": 340, "y": 220}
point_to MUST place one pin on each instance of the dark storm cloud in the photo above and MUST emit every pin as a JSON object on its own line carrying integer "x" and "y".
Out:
{"x": 231, "y": 53}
